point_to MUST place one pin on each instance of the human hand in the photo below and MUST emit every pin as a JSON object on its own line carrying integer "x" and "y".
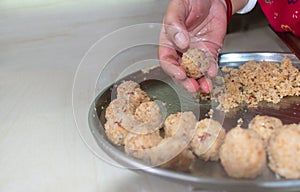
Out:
{"x": 192, "y": 24}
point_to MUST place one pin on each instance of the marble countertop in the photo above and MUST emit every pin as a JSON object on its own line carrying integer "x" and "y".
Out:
{"x": 41, "y": 46}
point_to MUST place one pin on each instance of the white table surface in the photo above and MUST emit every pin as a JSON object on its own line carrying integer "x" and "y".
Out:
{"x": 41, "y": 46}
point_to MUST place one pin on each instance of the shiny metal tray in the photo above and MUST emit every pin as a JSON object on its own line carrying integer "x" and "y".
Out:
{"x": 204, "y": 175}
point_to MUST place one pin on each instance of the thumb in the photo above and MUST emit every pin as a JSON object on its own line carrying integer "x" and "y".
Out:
{"x": 174, "y": 24}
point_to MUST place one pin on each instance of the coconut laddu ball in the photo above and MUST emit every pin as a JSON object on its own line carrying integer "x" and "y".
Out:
{"x": 139, "y": 145}
{"x": 122, "y": 112}
{"x": 147, "y": 118}
{"x": 182, "y": 162}
{"x": 131, "y": 92}
{"x": 243, "y": 155}
{"x": 195, "y": 63}
{"x": 265, "y": 126}
{"x": 115, "y": 132}
{"x": 149, "y": 112}
{"x": 117, "y": 107}
{"x": 208, "y": 139}
{"x": 173, "y": 153}
{"x": 284, "y": 151}
{"x": 122, "y": 118}
{"x": 180, "y": 124}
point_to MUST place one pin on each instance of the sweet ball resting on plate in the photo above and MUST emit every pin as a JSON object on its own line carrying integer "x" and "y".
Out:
{"x": 284, "y": 151}
{"x": 131, "y": 91}
{"x": 208, "y": 138}
{"x": 114, "y": 129}
{"x": 132, "y": 111}
{"x": 180, "y": 124}
{"x": 115, "y": 132}
{"x": 265, "y": 125}
{"x": 140, "y": 145}
{"x": 173, "y": 153}
{"x": 123, "y": 118}
{"x": 242, "y": 154}
{"x": 148, "y": 112}
{"x": 117, "y": 108}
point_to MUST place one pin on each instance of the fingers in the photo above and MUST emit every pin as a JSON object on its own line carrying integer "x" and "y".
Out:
{"x": 173, "y": 70}
{"x": 174, "y": 21}
{"x": 170, "y": 63}
{"x": 213, "y": 69}
{"x": 191, "y": 85}
{"x": 205, "y": 84}
{"x": 181, "y": 21}
{"x": 169, "y": 59}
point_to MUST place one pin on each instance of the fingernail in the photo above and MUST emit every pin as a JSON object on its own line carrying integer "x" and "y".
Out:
{"x": 206, "y": 85}
{"x": 212, "y": 70}
{"x": 180, "y": 40}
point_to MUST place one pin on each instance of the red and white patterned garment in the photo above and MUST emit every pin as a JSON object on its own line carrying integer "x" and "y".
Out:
{"x": 283, "y": 15}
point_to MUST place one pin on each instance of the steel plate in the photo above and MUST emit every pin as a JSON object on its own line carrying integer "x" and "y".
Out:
{"x": 204, "y": 175}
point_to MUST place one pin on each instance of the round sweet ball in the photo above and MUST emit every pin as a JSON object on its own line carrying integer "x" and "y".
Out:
{"x": 265, "y": 126}
{"x": 115, "y": 132}
{"x": 148, "y": 112}
{"x": 126, "y": 88}
{"x": 173, "y": 153}
{"x": 195, "y": 63}
{"x": 139, "y": 145}
{"x": 182, "y": 162}
{"x": 243, "y": 155}
{"x": 284, "y": 151}
{"x": 117, "y": 108}
{"x": 132, "y": 93}
{"x": 208, "y": 139}
{"x": 147, "y": 118}
{"x": 180, "y": 124}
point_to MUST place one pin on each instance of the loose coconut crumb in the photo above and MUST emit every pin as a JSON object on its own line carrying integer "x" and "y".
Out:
{"x": 254, "y": 82}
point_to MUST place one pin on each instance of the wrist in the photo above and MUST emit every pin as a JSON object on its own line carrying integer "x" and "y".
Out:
{"x": 233, "y": 6}
{"x": 228, "y": 6}
{"x": 238, "y": 5}
{"x": 248, "y": 7}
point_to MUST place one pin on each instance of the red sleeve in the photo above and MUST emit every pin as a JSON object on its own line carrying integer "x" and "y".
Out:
{"x": 283, "y": 15}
